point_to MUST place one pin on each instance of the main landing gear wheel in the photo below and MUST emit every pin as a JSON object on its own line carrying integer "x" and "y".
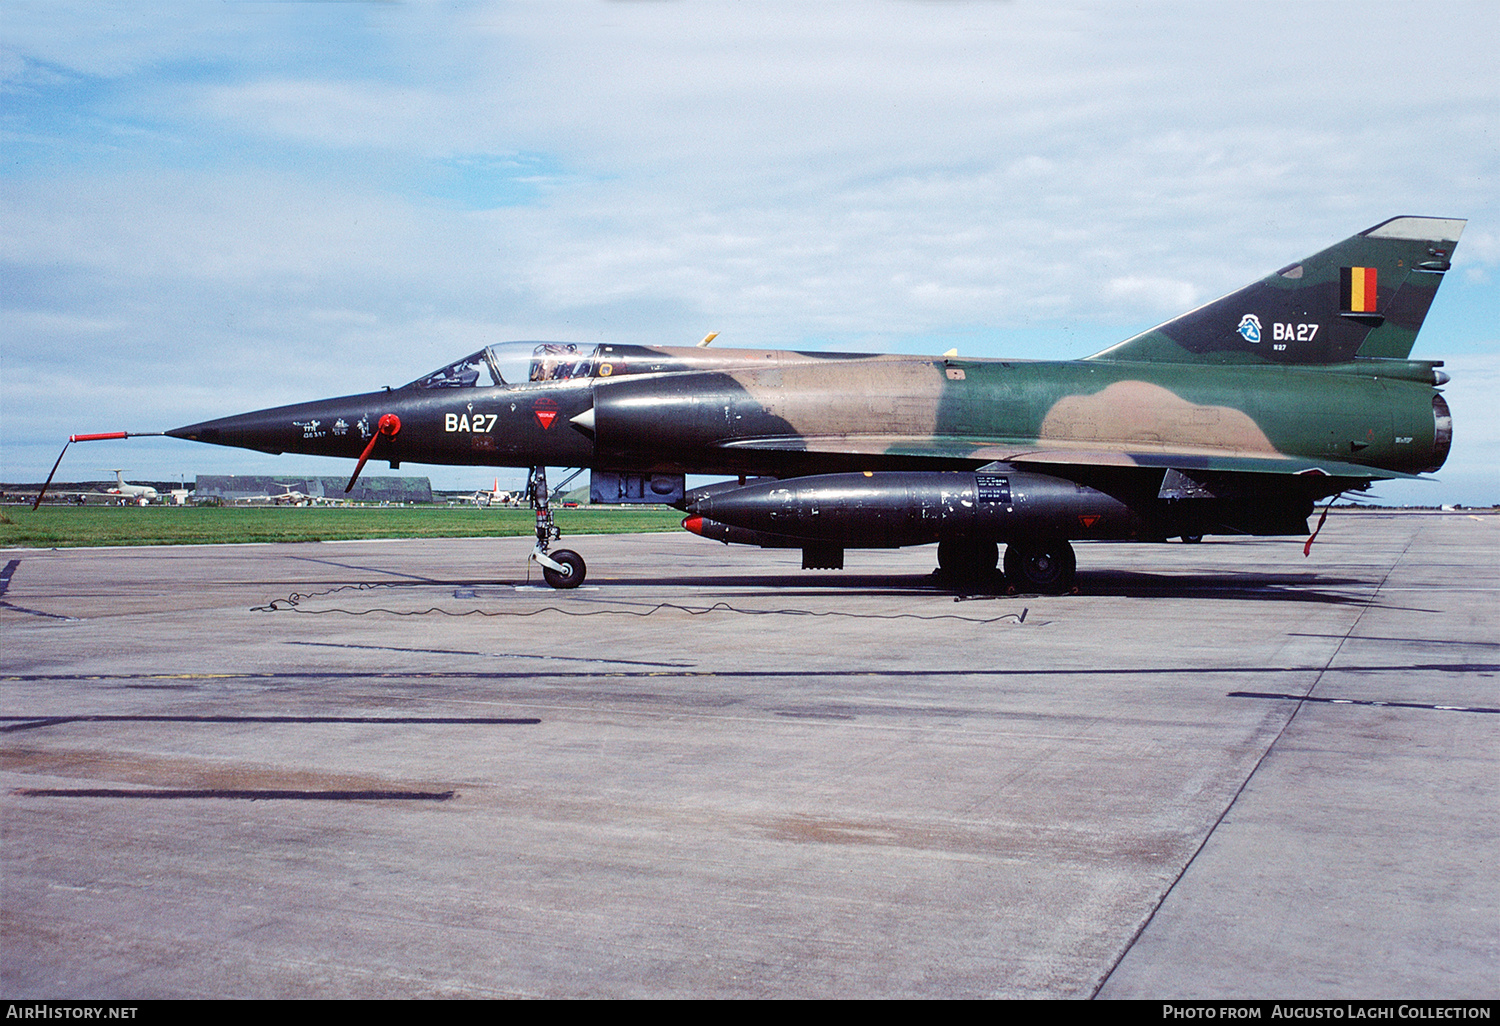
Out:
{"x": 967, "y": 557}
{"x": 572, "y": 562}
{"x": 1046, "y": 567}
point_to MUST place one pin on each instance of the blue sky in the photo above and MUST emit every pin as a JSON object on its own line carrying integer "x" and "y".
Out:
{"x": 215, "y": 207}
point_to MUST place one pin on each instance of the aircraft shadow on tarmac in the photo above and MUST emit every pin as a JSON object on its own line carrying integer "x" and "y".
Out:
{"x": 1310, "y": 587}
{"x": 1290, "y": 587}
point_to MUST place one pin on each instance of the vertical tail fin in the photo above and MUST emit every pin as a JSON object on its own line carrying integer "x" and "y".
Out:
{"x": 1364, "y": 297}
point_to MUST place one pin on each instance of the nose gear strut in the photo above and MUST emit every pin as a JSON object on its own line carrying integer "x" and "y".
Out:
{"x": 563, "y": 568}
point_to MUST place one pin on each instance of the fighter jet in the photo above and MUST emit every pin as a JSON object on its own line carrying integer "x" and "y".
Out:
{"x": 1232, "y": 419}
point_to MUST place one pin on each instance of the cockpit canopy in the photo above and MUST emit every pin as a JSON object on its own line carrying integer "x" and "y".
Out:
{"x": 514, "y": 363}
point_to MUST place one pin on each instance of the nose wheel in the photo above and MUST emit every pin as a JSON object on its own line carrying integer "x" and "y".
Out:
{"x": 571, "y": 569}
{"x": 563, "y": 568}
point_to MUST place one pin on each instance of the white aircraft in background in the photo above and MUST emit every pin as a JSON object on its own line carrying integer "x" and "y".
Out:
{"x": 290, "y": 497}
{"x": 142, "y": 494}
{"x": 495, "y": 496}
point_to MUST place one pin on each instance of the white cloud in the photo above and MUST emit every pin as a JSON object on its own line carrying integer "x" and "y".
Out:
{"x": 337, "y": 115}
{"x": 1478, "y": 250}
{"x": 1162, "y": 293}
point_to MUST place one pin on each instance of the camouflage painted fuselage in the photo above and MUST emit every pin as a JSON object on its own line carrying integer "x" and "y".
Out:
{"x": 1234, "y": 417}
{"x": 765, "y": 411}
{"x": 1282, "y": 436}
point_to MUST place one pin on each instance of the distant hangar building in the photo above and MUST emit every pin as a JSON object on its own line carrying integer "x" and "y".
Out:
{"x": 238, "y": 487}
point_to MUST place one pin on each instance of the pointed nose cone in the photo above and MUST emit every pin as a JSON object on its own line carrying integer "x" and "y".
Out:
{"x": 328, "y": 427}
{"x": 265, "y": 430}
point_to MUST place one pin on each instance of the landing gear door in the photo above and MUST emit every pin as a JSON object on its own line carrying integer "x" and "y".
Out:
{"x": 629, "y": 487}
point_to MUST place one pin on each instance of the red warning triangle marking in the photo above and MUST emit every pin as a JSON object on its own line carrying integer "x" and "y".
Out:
{"x": 545, "y": 418}
{"x": 1088, "y": 521}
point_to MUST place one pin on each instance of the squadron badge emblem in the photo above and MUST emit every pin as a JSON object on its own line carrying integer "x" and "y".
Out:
{"x": 1249, "y": 328}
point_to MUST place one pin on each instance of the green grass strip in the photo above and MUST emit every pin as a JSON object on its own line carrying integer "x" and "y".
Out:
{"x": 84, "y": 526}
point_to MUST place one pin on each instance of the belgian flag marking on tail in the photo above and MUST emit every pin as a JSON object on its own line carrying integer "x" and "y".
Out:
{"x": 1357, "y": 289}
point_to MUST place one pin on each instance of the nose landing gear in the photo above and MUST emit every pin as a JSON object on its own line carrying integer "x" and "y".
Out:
{"x": 569, "y": 569}
{"x": 563, "y": 568}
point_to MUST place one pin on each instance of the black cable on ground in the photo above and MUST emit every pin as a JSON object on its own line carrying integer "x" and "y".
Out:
{"x": 293, "y": 604}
